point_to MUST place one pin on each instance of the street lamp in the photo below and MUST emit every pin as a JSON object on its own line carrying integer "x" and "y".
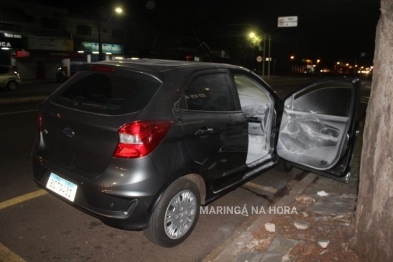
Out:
{"x": 117, "y": 10}
{"x": 252, "y": 36}
{"x": 263, "y": 37}
{"x": 256, "y": 43}
{"x": 255, "y": 40}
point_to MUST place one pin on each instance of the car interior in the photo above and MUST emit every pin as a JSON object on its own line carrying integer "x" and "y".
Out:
{"x": 257, "y": 105}
{"x": 313, "y": 126}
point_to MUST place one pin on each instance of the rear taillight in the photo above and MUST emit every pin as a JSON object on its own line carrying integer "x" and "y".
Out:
{"x": 138, "y": 139}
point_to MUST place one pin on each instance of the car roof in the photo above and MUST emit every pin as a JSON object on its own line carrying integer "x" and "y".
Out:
{"x": 161, "y": 65}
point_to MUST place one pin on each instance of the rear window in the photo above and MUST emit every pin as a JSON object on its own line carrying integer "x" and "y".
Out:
{"x": 108, "y": 93}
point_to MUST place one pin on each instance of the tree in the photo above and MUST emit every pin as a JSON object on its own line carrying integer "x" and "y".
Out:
{"x": 245, "y": 51}
{"x": 373, "y": 225}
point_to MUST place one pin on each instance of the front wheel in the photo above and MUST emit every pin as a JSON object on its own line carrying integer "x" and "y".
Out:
{"x": 12, "y": 86}
{"x": 175, "y": 215}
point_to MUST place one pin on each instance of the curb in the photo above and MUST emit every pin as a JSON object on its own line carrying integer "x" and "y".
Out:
{"x": 236, "y": 245}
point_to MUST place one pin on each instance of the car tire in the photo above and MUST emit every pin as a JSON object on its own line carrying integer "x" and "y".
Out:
{"x": 175, "y": 215}
{"x": 12, "y": 86}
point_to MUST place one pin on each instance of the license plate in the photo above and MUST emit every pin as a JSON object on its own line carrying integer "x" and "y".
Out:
{"x": 62, "y": 187}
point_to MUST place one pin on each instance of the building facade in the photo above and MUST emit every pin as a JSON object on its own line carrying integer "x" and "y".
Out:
{"x": 38, "y": 39}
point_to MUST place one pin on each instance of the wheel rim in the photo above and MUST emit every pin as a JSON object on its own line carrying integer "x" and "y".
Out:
{"x": 180, "y": 214}
{"x": 12, "y": 86}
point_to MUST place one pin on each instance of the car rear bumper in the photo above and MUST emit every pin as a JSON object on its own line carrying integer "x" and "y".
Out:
{"x": 123, "y": 196}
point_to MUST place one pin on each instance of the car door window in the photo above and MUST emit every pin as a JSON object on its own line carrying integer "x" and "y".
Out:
{"x": 210, "y": 92}
{"x": 252, "y": 99}
{"x": 327, "y": 101}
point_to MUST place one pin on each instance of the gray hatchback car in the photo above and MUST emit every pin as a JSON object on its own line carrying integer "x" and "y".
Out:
{"x": 141, "y": 144}
{"x": 9, "y": 78}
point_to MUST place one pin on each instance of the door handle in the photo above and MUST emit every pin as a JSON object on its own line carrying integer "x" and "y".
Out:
{"x": 204, "y": 131}
{"x": 254, "y": 119}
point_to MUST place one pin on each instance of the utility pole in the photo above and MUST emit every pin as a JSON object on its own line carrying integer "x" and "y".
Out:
{"x": 100, "y": 54}
{"x": 99, "y": 41}
{"x": 264, "y": 56}
{"x": 268, "y": 65}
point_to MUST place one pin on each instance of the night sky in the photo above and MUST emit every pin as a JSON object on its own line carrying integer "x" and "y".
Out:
{"x": 327, "y": 29}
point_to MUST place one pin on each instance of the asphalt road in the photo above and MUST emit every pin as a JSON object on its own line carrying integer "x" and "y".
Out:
{"x": 36, "y": 226}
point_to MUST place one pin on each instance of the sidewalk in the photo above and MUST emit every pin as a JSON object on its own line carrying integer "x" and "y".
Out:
{"x": 319, "y": 230}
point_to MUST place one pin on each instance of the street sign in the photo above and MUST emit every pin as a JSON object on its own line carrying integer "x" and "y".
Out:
{"x": 287, "y": 21}
{"x": 259, "y": 58}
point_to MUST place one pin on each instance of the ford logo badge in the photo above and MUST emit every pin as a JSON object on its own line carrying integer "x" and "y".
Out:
{"x": 68, "y": 132}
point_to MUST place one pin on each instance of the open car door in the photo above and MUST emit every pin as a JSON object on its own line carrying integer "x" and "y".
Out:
{"x": 319, "y": 126}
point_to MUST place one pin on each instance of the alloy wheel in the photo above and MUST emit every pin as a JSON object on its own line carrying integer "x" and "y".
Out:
{"x": 180, "y": 214}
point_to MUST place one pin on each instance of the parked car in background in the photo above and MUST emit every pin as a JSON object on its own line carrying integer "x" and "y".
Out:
{"x": 141, "y": 144}
{"x": 9, "y": 78}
